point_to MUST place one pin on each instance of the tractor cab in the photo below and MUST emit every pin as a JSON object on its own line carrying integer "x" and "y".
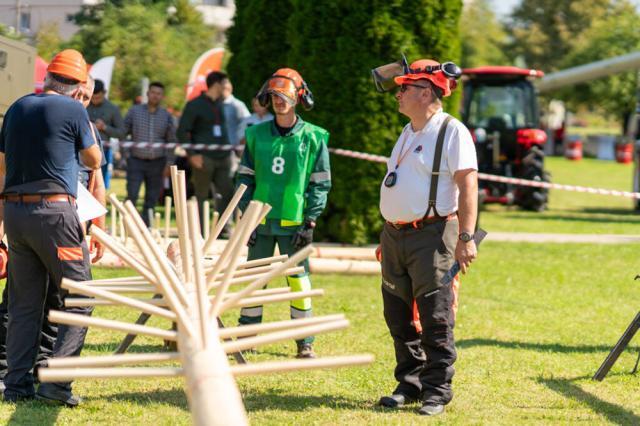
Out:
{"x": 500, "y": 109}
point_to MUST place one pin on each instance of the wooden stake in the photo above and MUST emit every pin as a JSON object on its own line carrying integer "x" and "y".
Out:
{"x": 86, "y": 321}
{"x": 300, "y": 364}
{"x": 224, "y": 218}
{"x": 181, "y": 220}
{"x": 110, "y": 360}
{"x": 278, "y": 336}
{"x": 114, "y": 219}
{"x": 274, "y": 298}
{"x": 201, "y": 286}
{"x": 167, "y": 219}
{"x": 253, "y": 329}
{"x": 107, "y": 295}
{"x": 206, "y": 214}
{"x": 69, "y": 374}
{"x": 260, "y": 282}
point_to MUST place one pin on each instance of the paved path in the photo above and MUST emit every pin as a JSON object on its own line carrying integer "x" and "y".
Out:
{"x": 562, "y": 238}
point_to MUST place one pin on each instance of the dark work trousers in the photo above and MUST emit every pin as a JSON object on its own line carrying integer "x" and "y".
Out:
{"x": 299, "y": 308}
{"x": 413, "y": 262}
{"x": 216, "y": 175}
{"x": 47, "y": 339}
{"x": 46, "y": 243}
{"x": 150, "y": 172}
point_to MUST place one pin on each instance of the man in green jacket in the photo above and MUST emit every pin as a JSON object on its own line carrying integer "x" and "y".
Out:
{"x": 286, "y": 164}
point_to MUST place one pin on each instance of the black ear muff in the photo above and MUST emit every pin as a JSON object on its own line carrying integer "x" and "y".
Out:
{"x": 263, "y": 98}
{"x": 306, "y": 98}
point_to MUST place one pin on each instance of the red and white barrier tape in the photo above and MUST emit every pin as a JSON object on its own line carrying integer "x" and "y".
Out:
{"x": 383, "y": 159}
{"x": 503, "y": 179}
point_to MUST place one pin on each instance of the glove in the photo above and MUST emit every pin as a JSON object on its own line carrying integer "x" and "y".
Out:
{"x": 304, "y": 236}
{"x": 252, "y": 238}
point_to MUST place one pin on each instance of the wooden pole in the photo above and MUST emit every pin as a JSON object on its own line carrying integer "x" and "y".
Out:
{"x": 181, "y": 220}
{"x": 114, "y": 219}
{"x": 110, "y": 360}
{"x": 260, "y": 282}
{"x": 128, "y": 301}
{"x": 163, "y": 282}
{"x": 224, "y": 218}
{"x": 274, "y": 298}
{"x": 300, "y": 364}
{"x": 70, "y": 374}
{"x": 253, "y": 329}
{"x": 201, "y": 286}
{"x": 86, "y": 321}
{"x": 278, "y": 336}
{"x": 167, "y": 219}
{"x": 206, "y": 214}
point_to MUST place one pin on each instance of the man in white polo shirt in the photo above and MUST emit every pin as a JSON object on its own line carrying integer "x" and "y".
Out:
{"x": 428, "y": 199}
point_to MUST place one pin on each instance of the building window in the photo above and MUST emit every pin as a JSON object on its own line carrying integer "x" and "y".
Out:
{"x": 25, "y": 21}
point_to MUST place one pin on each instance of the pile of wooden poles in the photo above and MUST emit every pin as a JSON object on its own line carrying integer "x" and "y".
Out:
{"x": 193, "y": 293}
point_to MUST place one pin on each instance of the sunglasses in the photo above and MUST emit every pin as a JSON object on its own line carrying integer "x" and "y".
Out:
{"x": 404, "y": 87}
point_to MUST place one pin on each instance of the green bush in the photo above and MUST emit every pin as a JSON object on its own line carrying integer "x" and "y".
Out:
{"x": 335, "y": 44}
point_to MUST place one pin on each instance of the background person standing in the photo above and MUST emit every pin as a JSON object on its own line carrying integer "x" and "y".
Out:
{"x": 203, "y": 122}
{"x": 428, "y": 199}
{"x": 149, "y": 123}
{"x": 108, "y": 120}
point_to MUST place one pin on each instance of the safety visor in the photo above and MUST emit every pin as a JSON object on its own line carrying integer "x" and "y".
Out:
{"x": 384, "y": 75}
{"x": 282, "y": 86}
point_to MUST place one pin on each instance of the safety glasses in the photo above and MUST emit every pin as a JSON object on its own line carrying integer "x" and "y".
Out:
{"x": 449, "y": 69}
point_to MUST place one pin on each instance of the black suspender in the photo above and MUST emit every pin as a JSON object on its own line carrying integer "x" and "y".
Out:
{"x": 435, "y": 170}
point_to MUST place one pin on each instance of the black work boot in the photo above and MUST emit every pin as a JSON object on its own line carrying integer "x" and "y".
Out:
{"x": 396, "y": 400}
{"x": 52, "y": 395}
{"x": 305, "y": 350}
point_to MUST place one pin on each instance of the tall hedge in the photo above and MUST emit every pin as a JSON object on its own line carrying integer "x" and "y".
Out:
{"x": 258, "y": 44}
{"x": 335, "y": 44}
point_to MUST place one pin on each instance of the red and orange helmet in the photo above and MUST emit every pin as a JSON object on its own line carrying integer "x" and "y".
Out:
{"x": 289, "y": 85}
{"x": 443, "y": 76}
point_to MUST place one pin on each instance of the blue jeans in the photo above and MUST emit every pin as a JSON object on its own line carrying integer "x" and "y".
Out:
{"x": 108, "y": 167}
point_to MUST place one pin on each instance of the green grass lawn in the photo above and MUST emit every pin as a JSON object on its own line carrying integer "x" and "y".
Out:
{"x": 574, "y": 212}
{"x": 534, "y": 324}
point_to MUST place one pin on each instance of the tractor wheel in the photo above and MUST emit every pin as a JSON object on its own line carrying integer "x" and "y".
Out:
{"x": 530, "y": 198}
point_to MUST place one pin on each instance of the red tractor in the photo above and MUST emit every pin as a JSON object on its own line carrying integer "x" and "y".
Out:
{"x": 500, "y": 108}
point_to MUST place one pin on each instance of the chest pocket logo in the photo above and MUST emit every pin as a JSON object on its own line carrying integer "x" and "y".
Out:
{"x": 418, "y": 149}
{"x": 278, "y": 165}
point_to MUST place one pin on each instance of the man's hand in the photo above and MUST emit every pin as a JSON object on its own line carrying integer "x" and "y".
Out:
{"x": 379, "y": 253}
{"x": 465, "y": 254}
{"x": 101, "y": 125}
{"x": 196, "y": 161}
{"x": 167, "y": 171}
{"x": 97, "y": 247}
{"x": 304, "y": 236}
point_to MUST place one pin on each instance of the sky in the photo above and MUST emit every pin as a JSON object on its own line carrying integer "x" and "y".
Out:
{"x": 504, "y": 7}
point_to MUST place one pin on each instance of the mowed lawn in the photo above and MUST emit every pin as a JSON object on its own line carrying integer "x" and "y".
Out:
{"x": 574, "y": 212}
{"x": 534, "y": 324}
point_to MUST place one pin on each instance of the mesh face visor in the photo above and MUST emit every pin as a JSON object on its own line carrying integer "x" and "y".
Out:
{"x": 383, "y": 75}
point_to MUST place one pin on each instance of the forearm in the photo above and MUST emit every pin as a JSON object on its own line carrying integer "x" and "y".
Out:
{"x": 317, "y": 199}
{"x": 100, "y": 194}
{"x": 468, "y": 202}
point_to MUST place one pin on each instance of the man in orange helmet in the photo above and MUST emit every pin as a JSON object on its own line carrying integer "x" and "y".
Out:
{"x": 286, "y": 164}
{"x": 429, "y": 201}
{"x": 42, "y": 138}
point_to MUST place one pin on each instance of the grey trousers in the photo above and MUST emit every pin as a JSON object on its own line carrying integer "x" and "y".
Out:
{"x": 148, "y": 172}
{"x": 216, "y": 176}
{"x": 46, "y": 243}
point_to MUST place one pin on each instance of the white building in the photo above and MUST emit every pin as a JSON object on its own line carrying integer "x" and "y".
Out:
{"x": 28, "y": 15}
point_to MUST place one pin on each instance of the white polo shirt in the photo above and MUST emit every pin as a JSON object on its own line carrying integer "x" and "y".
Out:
{"x": 408, "y": 199}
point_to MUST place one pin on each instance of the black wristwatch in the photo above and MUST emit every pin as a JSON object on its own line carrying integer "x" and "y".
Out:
{"x": 465, "y": 237}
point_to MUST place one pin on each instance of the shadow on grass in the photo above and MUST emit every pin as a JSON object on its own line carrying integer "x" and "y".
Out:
{"x": 543, "y": 347}
{"x": 275, "y": 399}
{"x": 631, "y": 219}
{"x": 614, "y": 413}
{"x": 619, "y": 211}
{"x": 111, "y": 347}
{"x": 34, "y": 413}
{"x": 174, "y": 397}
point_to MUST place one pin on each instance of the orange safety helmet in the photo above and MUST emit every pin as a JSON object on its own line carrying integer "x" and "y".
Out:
{"x": 289, "y": 85}
{"x": 442, "y": 76}
{"x": 69, "y": 64}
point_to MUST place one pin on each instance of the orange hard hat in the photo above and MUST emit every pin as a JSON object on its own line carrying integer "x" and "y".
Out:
{"x": 286, "y": 82}
{"x": 69, "y": 64}
{"x": 428, "y": 69}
